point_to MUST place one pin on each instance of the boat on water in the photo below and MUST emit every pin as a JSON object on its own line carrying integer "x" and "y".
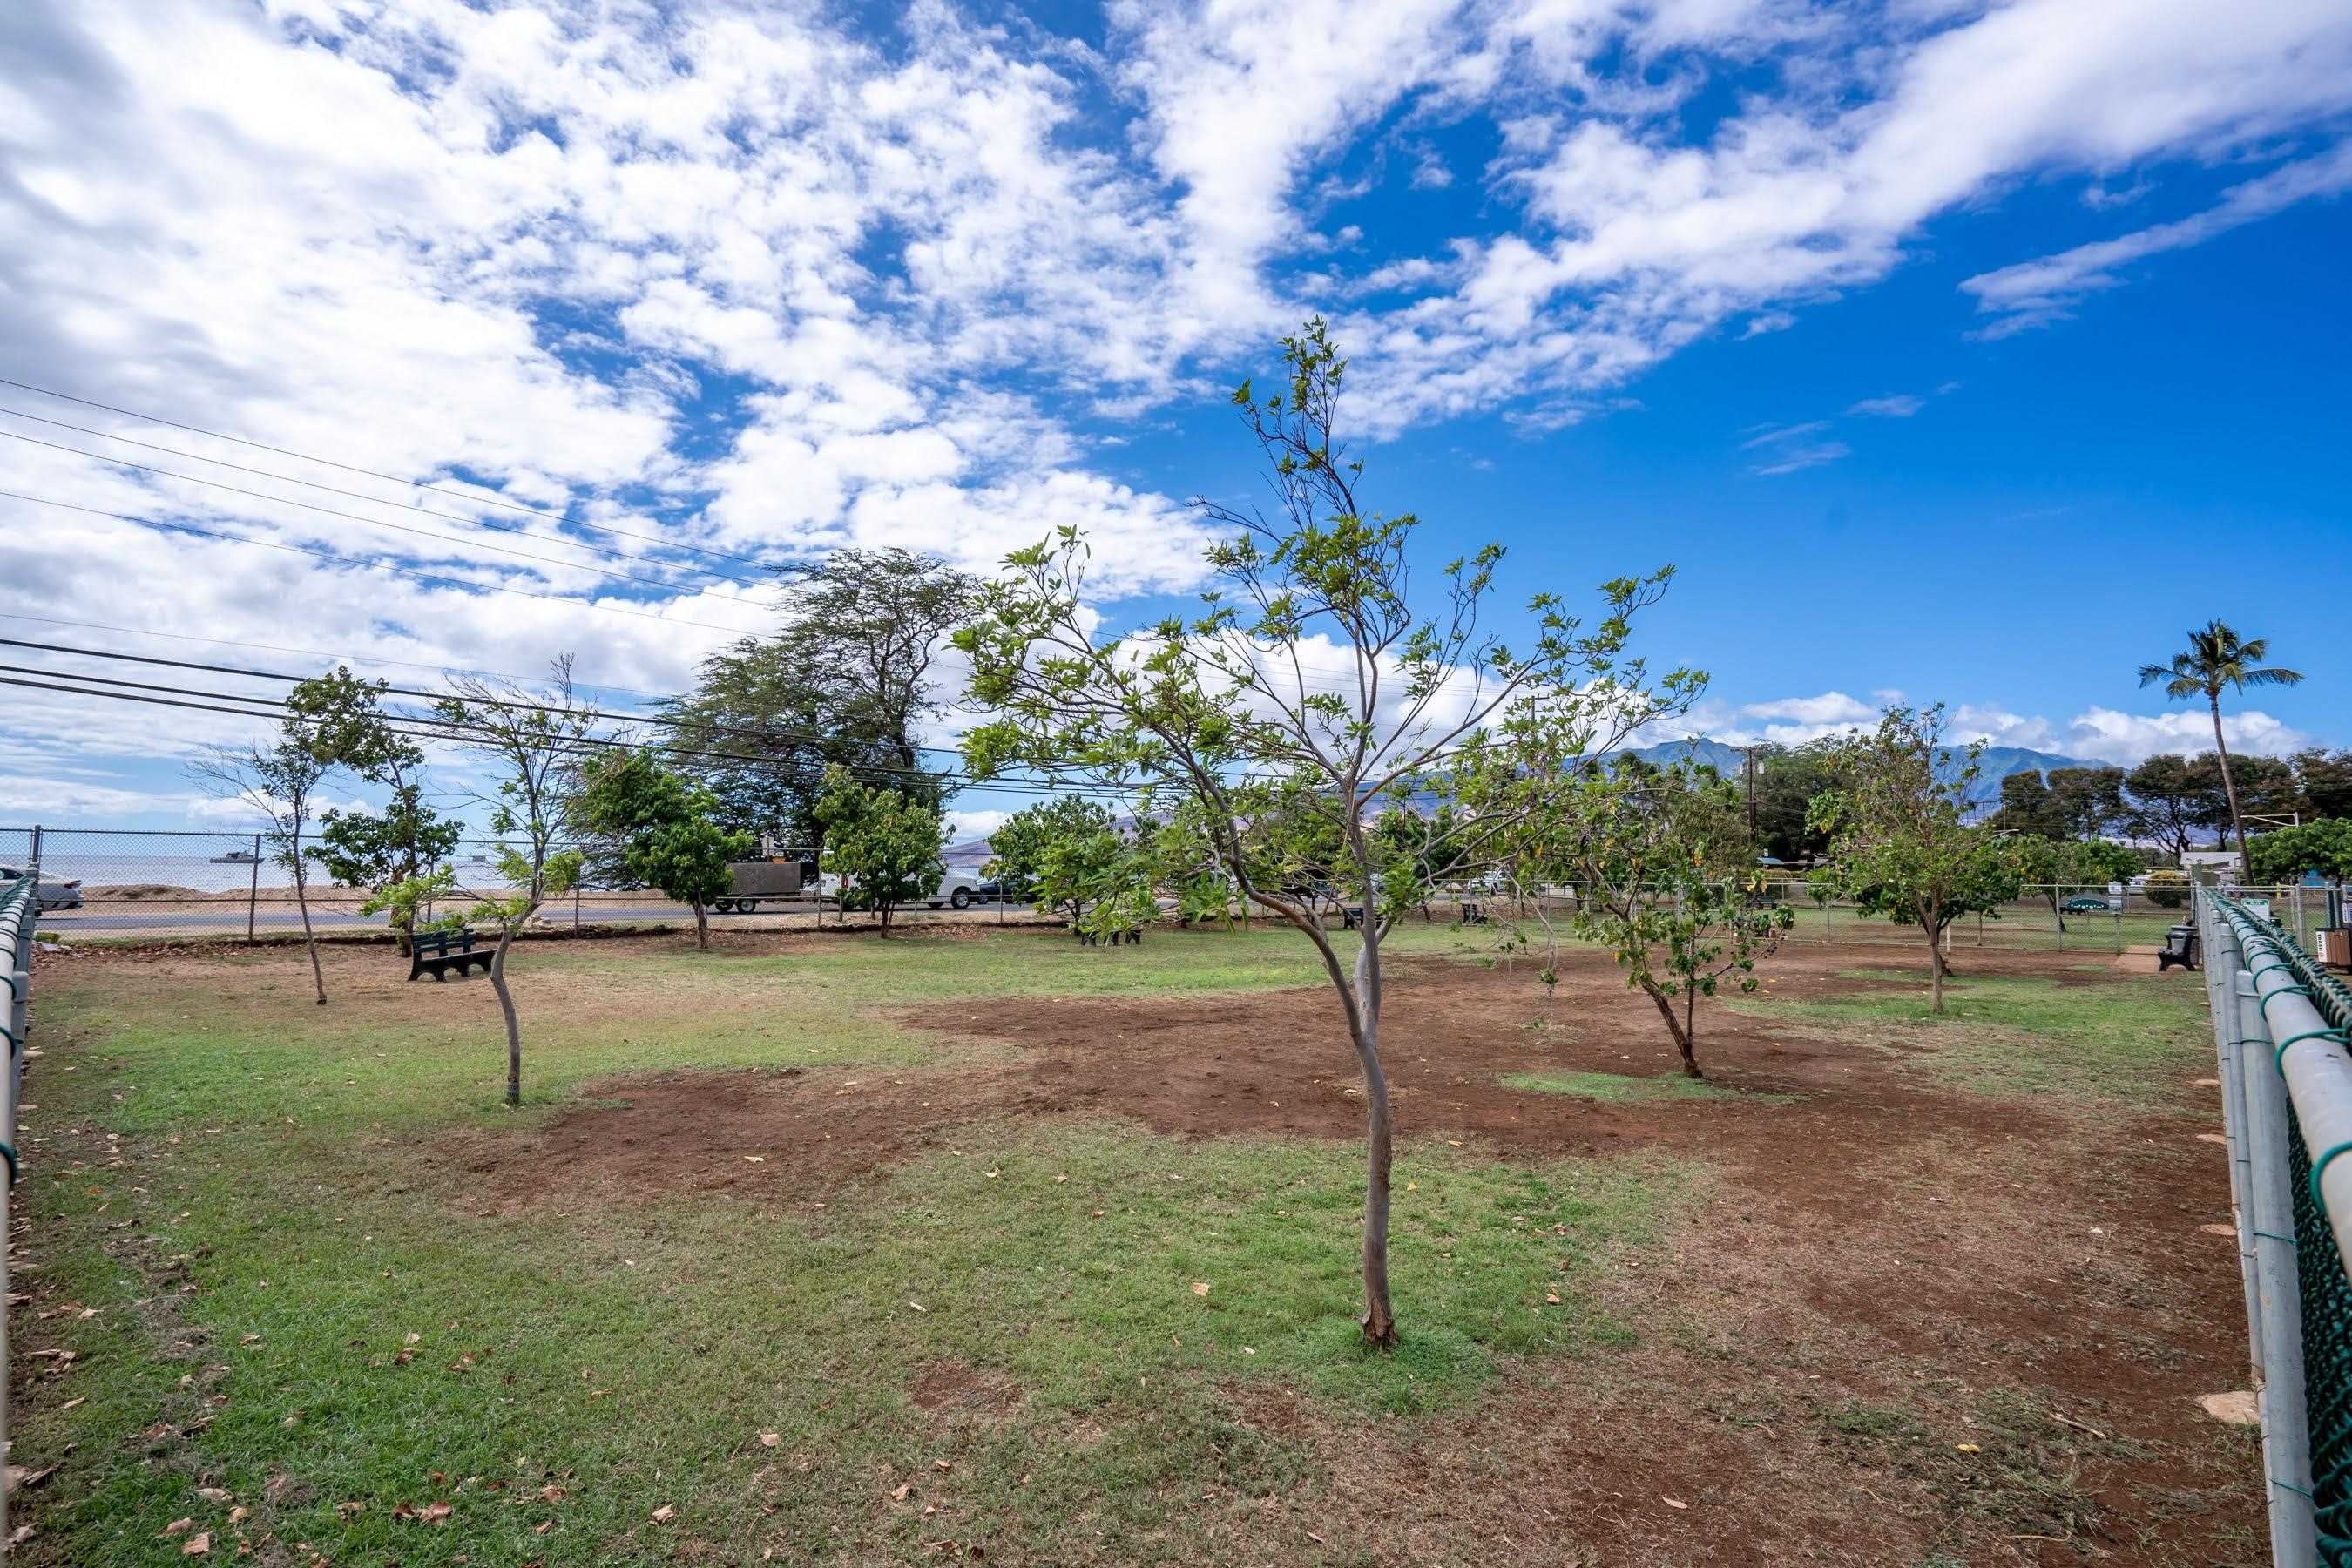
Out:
{"x": 238, "y": 858}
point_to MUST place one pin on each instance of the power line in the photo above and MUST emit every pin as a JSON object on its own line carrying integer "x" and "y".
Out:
{"x": 395, "y": 527}
{"x": 756, "y": 731}
{"x": 337, "y": 491}
{"x": 350, "y": 561}
{"x": 316, "y": 653}
{"x": 427, "y": 727}
{"x": 1340, "y": 679}
{"x": 376, "y": 474}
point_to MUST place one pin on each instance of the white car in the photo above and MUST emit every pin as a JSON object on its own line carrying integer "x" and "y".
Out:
{"x": 962, "y": 887}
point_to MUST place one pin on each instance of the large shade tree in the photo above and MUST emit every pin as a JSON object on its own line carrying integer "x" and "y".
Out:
{"x": 1309, "y": 665}
{"x": 845, "y": 680}
{"x": 2217, "y": 660}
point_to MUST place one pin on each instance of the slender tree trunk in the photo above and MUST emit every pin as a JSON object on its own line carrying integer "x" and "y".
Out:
{"x": 886, "y": 920}
{"x": 309, "y": 937}
{"x": 1379, "y": 1317}
{"x": 2229, "y": 788}
{"x": 701, "y": 925}
{"x": 1935, "y": 969}
{"x": 1676, "y": 1028}
{"x": 506, "y": 1007}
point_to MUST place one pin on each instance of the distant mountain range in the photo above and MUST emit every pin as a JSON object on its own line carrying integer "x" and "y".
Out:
{"x": 1995, "y": 763}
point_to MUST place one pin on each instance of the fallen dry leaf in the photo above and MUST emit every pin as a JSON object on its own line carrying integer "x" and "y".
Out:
{"x": 769, "y": 1439}
{"x": 663, "y": 1514}
{"x": 918, "y": 1306}
{"x": 178, "y": 1527}
{"x": 941, "y": 1464}
{"x": 197, "y": 1545}
{"x": 434, "y": 1513}
{"x": 902, "y": 1491}
{"x": 1200, "y": 1287}
{"x": 214, "y": 1494}
{"x": 1674, "y": 1502}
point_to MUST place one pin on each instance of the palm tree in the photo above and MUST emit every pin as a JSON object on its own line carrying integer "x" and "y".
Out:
{"x": 2213, "y": 660}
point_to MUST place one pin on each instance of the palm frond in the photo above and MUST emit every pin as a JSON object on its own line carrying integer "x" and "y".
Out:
{"x": 2270, "y": 678}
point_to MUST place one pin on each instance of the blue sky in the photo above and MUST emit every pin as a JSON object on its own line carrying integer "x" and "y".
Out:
{"x": 1969, "y": 353}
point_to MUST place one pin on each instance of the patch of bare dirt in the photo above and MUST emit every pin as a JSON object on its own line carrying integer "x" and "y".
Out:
{"x": 954, "y": 1387}
{"x": 1904, "y": 1323}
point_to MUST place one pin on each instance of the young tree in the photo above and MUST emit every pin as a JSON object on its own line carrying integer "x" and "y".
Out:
{"x": 1103, "y": 878}
{"x": 1666, "y": 879}
{"x": 1017, "y": 850}
{"x": 1307, "y": 663}
{"x": 884, "y": 846}
{"x": 373, "y": 849}
{"x": 280, "y": 781}
{"x": 1429, "y": 847}
{"x": 2216, "y": 658}
{"x": 528, "y": 739}
{"x": 1901, "y": 843}
{"x": 664, "y": 827}
{"x": 1184, "y": 860}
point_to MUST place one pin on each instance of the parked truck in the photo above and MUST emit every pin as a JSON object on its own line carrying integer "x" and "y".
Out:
{"x": 764, "y": 881}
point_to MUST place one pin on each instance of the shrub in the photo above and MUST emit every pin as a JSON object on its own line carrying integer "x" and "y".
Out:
{"x": 2167, "y": 889}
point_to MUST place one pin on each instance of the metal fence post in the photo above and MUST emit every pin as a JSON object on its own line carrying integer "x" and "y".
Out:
{"x": 253, "y": 890}
{"x": 2222, "y": 961}
{"x": 35, "y": 867}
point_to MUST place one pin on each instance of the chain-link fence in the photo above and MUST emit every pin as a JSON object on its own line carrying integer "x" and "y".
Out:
{"x": 17, "y": 907}
{"x": 2280, "y": 1023}
{"x": 123, "y": 884}
{"x": 2110, "y": 918}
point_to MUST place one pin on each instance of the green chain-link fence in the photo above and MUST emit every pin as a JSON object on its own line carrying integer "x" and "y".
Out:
{"x": 2280, "y": 971}
{"x": 20, "y": 908}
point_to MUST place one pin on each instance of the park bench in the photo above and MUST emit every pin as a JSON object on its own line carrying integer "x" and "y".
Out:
{"x": 438, "y": 952}
{"x": 2180, "y": 947}
{"x": 1351, "y": 917}
{"x": 1132, "y": 938}
{"x": 1472, "y": 915}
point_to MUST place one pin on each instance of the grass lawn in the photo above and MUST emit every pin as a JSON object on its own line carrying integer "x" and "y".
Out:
{"x": 296, "y": 1327}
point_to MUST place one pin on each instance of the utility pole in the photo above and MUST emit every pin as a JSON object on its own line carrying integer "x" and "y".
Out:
{"x": 1751, "y": 793}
